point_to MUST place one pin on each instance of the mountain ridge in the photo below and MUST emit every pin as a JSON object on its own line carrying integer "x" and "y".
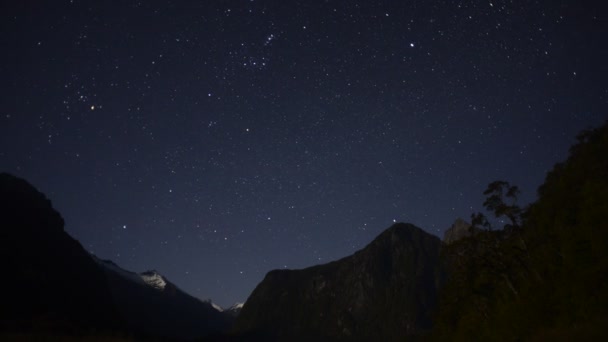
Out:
{"x": 153, "y": 305}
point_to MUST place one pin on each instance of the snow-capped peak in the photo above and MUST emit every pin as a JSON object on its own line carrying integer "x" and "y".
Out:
{"x": 154, "y": 279}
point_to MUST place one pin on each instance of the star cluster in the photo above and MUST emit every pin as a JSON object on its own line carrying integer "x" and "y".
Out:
{"x": 216, "y": 140}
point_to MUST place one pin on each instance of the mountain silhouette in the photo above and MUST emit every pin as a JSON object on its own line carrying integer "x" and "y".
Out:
{"x": 386, "y": 292}
{"x": 50, "y": 282}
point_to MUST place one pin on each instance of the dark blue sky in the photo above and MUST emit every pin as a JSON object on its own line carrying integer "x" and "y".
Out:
{"x": 217, "y": 140}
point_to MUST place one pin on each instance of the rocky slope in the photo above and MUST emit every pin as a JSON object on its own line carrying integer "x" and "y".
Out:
{"x": 458, "y": 230}
{"x": 386, "y": 291}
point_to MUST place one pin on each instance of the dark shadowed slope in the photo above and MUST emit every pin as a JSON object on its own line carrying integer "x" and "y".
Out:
{"x": 49, "y": 282}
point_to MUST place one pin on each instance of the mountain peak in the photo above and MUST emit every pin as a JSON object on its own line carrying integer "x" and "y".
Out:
{"x": 398, "y": 272}
{"x": 401, "y": 230}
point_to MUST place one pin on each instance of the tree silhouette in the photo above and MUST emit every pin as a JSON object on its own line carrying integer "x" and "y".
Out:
{"x": 501, "y": 201}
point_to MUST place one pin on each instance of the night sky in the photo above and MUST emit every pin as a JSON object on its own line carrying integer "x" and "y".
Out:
{"x": 217, "y": 140}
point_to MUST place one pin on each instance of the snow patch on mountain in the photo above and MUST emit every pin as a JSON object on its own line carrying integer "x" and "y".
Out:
{"x": 237, "y": 306}
{"x": 234, "y": 310}
{"x": 154, "y": 279}
{"x": 216, "y": 307}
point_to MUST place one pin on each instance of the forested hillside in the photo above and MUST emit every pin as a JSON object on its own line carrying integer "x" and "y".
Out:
{"x": 544, "y": 274}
